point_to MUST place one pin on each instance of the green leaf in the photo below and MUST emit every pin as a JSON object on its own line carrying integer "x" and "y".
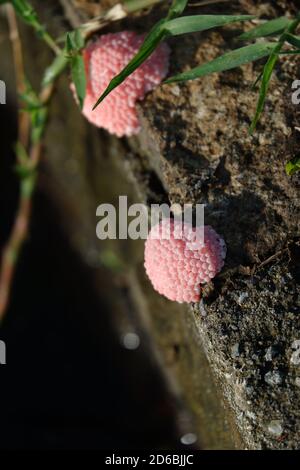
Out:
{"x": 55, "y": 69}
{"x": 267, "y": 29}
{"x": 149, "y": 45}
{"x": 293, "y": 40}
{"x": 162, "y": 29}
{"x": 266, "y": 77}
{"x": 74, "y": 44}
{"x": 21, "y": 153}
{"x": 256, "y": 81}
{"x": 269, "y": 67}
{"x": 292, "y": 166}
{"x": 29, "y": 96}
{"x": 74, "y": 41}
{"x": 227, "y": 61}
{"x": 176, "y": 8}
{"x": 297, "y": 52}
{"x": 24, "y": 171}
{"x": 38, "y": 119}
{"x": 194, "y": 23}
{"x": 25, "y": 11}
{"x": 29, "y": 16}
{"x": 112, "y": 261}
{"x": 78, "y": 77}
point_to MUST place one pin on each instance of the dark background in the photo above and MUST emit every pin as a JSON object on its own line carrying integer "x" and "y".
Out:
{"x": 68, "y": 381}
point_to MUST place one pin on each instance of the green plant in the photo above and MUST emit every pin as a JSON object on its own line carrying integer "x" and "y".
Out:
{"x": 281, "y": 29}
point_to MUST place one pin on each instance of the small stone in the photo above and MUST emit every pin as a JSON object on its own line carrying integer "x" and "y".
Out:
{"x": 273, "y": 378}
{"x": 235, "y": 350}
{"x": 270, "y": 354}
{"x": 251, "y": 415}
{"x": 175, "y": 90}
{"x": 295, "y": 357}
{"x": 275, "y": 428}
{"x": 202, "y": 308}
{"x": 242, "y": 297}
{"x": 297, "y": 381}
{"x": 188, "y": 439}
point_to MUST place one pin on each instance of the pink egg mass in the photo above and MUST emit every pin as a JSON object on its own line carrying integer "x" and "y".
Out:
{"x": 177, "y": 266}
{"x": 104, "y": 59}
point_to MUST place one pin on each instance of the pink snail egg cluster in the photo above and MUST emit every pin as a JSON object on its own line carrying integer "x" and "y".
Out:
{"x": 104, "y": 59}
{"x": 178, "y": 262}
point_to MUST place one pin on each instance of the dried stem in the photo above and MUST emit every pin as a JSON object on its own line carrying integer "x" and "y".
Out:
{"x": 24, "y": 119}
{"x": 19, "y": 231}
{"x": 20, "y": 228}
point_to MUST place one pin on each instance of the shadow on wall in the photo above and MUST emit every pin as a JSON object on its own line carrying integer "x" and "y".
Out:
{"x": 68, "y": 381}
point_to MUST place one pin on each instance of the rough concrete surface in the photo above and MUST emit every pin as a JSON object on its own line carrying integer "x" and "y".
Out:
{"x": 195, "y": 148}
{"x": 195, "y": 137}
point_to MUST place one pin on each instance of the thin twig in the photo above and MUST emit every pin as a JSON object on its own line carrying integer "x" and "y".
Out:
{"x": 19, "y": 231}
{"x": 24, "y": 119}
{"x": 20, "y": 228}
{"x": 270, "y": 259}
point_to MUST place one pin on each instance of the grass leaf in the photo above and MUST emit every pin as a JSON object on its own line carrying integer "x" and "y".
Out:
{"x": 293, "y": 40}
{"x": 78, "y": 77}
{"x": 194, "y": 23}
{"x": 267, "y": 29}
{"x": 227, "y": 61}
{"x": 269, "y": 67}
{"x": 74, "y": 43}
{"x": 295, "y": 51}
{"x": 25, "y": 11}
{"x": 292, "y": 166}
{"x": 151, "y": 42}
{"x": 162, "y": 29}
{"x": 29, "y": 16}
{"x": 55, "y": 69}
{"x": 176, "y": 8}
{"x": 266, "y": 77}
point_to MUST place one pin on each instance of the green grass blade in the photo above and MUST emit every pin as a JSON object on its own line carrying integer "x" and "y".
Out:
{"x": 296, "y": 51}
{"x": 269, "y": 67}
{"x": 266, "y": 77}
{"x": 78, "y": 77}
{"x": 292, "y": 166}
{"x": 269, "y": 28}
{"x": 192, "y": 24}
{"x": 169, "y": 27}
{"x": 151, "y": 42}
{"x": 293, "y": 40}
{"x": 74, "y": 44}
{"x": 227, "y": 61}
{"x": 176, "y": 8}
{"x": 134, "y": 5}
{"x": 24, "y": 9}
{"x": 55, "y": 69}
